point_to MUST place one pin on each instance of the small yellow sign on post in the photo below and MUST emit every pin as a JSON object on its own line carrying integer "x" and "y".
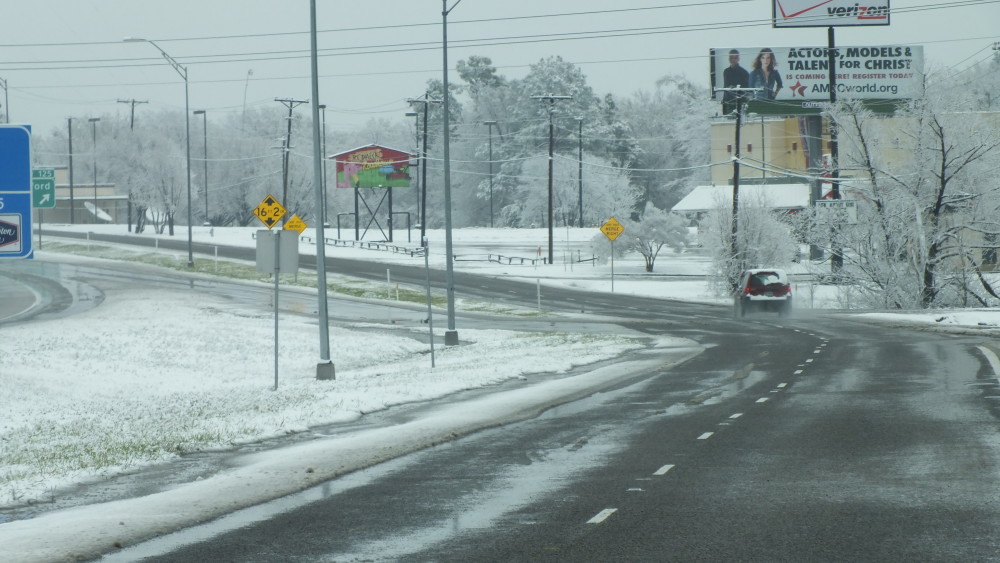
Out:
{"x": 295, "y": 224}
{"x": 612, "y": 228}
{"x": 269, "y": 211}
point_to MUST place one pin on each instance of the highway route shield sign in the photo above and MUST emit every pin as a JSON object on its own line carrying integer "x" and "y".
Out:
{"x": 612, "y": 228}
{"x": 269, "y": 211}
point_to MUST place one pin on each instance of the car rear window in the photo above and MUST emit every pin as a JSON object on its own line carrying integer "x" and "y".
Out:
{"x": 764, "y": 278}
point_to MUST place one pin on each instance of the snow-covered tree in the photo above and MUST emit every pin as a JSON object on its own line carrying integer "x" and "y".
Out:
{"x": 928, "y": 200}
{"x": 765, "y": 238}
{"x": 653, "y": 230}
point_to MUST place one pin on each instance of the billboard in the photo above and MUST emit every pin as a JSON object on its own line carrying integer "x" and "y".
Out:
{"x": 829, "y": 13}
{"x": 373, "y": 166}
{"x": 795, "y": 76}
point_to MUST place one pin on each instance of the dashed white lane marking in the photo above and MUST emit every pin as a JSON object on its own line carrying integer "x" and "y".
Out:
{"x": 602, "y": 516}
{"x": 736, "y": 415}
{"x": 706, "y": 436}
{"x": 817, "y": 351}
{"x": 797, "y": 372}
{"x": 762, "y": 400}
{"x": 663, "y": 470}
{"x": 782, "y": 385}
{"x": 809, "y": 361}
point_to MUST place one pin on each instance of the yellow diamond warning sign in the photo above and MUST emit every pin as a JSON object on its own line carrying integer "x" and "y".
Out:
{"x": 612, "y": 228}
{"x": 269, "y": 211}
{"x": 295, "y": 224}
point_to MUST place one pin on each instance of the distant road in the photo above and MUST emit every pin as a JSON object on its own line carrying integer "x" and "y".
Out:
{"x": 16, "y": 298}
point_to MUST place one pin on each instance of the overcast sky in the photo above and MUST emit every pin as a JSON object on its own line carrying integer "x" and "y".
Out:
{"x": 66, "y": 58}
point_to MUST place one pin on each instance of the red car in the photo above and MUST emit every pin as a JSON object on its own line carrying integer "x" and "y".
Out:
{"x": 763, "y": 289}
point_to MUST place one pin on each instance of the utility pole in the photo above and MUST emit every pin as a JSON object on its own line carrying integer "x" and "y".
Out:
{"x": 426, "y": 101}
{"x": 204, "y": 131}
{"x": 741, "y": 94}
{"x": 836, "y": 257}
{"x": 291, "y": 105}
{"x": 132, "y": 102}
{"x": 72, "y": 202}
{"x": 93, "y": 125}
{"x": 552, "y": 102}
{"x": 579, "y": 173}
{"x": 6, "y": 101}
{"x": 326, "y": 213}
{"x": 490, "y": 125}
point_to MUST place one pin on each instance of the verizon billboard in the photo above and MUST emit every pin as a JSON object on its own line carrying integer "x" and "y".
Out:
{"x": 830, "y": 13}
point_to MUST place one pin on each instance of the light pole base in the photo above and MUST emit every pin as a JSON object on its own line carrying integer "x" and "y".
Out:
{"x": 451, "y": 338}
{"x": 325, "y": 371}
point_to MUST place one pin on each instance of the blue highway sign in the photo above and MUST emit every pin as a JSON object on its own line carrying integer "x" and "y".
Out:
{"x": 15, "y": 192}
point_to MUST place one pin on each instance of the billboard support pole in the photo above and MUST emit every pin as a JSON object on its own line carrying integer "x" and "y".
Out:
{"x": 357, "y": 217}
{"x": 836, "y": 258}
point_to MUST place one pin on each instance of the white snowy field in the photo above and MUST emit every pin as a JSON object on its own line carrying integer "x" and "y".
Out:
{"x": 148, "y": 375}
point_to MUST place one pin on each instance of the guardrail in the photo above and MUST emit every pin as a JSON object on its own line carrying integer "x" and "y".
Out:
{"x": 512, "y": 260}
{"x": 499, "y": 259}
{"x": 412, "y": 251}
{"x": 418, "y": 251}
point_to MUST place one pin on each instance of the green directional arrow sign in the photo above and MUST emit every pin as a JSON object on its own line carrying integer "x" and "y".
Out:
{"x": 43, "y": 188}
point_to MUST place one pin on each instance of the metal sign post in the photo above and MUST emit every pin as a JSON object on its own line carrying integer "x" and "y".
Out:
{"x": 427, "y": 278}
{"x": 270, "y": 211}
{"x": 612, "y": 229}
{"x": 43, "y": 193}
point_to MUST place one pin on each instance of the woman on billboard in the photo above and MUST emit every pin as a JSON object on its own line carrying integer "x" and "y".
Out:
{"x": 765, "y": 76}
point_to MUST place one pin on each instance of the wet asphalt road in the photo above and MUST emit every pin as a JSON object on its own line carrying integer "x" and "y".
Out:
{"x": 809, "y": 440}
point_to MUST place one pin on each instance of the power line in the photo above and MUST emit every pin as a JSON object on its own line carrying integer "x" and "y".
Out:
{"x": 387, "y": 27}
{"x": 383, "y": 48}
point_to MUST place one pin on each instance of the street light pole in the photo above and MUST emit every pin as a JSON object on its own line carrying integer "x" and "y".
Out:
{"x": 93, "y": 127}
{"x": 490, "y": 124}
{"x": 182, "y": 71}
{"x": 204, "y": 130}
{"x": 450, "y": 335}
{"x": 325, "y": 368}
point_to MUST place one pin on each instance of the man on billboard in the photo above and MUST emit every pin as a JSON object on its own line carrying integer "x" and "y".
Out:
{"x": 735, "y": 76}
